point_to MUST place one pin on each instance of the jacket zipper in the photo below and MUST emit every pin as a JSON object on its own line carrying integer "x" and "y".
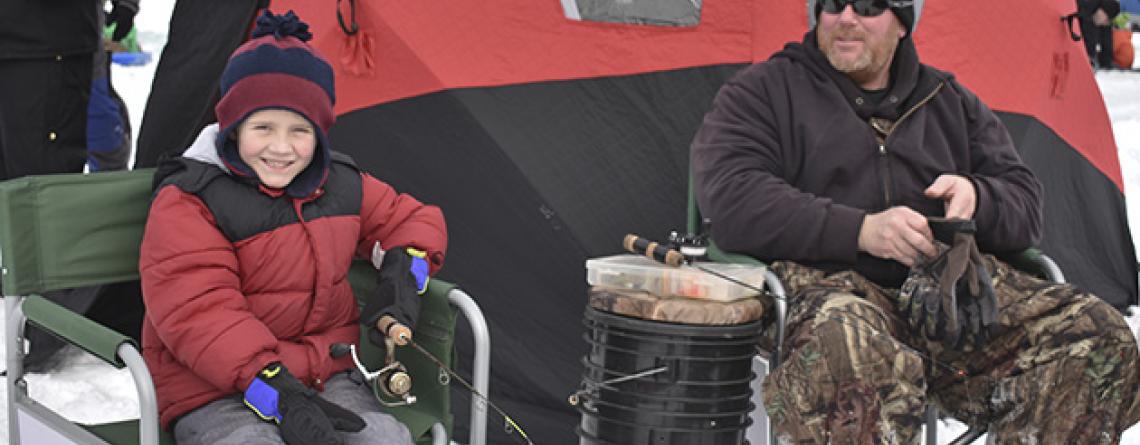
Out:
{"x": 884, "y": 159}
{"x": 886, "y": 168}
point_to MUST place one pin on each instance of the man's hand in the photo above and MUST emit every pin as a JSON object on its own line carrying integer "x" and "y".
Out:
{"x": 898, "y": 233}
{"x": 958, "y": 193}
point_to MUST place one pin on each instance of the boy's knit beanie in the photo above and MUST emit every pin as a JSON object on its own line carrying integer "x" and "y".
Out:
{"x": 276, "y": 69}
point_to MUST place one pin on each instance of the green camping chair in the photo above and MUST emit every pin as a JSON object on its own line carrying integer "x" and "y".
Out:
{"x": 1031, "y": 260}
{"x": 74, "y": 230}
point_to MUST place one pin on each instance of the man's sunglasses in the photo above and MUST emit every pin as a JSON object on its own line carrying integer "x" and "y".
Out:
{"x": 865, "y": 8}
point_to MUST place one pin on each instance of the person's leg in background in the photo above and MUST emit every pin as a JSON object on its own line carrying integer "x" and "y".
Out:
{"x": 108, "y": 127}
{"x": 43, "y": 117}
{"x": 1104, "y": 55}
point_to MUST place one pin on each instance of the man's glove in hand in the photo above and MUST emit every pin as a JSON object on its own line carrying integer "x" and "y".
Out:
{"x": 123, "y": 17}
{"x": 950, "y": 298}
{"x": 303, "y": 417}
{"x": 402, "y": 279}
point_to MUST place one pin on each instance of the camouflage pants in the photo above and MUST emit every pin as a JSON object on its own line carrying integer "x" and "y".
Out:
{"x": 1061, "y": 369}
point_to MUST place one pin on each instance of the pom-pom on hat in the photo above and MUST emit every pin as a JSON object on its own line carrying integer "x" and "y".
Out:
{"x": 277, "y": 69}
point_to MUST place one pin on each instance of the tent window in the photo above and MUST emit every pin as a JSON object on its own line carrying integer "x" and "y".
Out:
{"x": 677, "y": 13}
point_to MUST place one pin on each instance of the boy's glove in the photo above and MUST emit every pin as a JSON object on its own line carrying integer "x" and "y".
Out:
{"x": 402, "y": 279}
{"x": 950, "y": 298}
{"x": 123, "y": 17}
{"x": 302, "y": 416}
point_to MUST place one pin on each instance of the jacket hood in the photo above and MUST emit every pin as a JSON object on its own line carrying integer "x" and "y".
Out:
{"x": 910, "y": 82}
{"x": 204, "y": 149}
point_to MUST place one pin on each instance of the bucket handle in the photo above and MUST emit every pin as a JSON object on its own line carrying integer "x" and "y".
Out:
{"x": 578, "y": 395}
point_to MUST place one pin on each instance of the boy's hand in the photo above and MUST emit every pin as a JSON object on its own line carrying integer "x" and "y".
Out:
{"x": 402, "y": 279}
{"x": 303, "y": 417}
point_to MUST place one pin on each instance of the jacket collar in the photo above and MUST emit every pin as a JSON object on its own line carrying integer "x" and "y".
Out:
{"x": 910, "y": 80}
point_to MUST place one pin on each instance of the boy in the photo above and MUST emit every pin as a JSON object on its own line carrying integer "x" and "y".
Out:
{"x": 245, "y": 258}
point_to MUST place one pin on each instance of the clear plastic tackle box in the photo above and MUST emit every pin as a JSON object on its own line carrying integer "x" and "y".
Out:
{"x": 638, "y": 272}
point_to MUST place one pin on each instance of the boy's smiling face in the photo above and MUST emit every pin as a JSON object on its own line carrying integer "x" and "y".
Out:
{"x": 277, "y": 145}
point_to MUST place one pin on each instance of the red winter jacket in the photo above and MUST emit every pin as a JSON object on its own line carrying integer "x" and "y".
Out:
{"x": 236, "y": 276}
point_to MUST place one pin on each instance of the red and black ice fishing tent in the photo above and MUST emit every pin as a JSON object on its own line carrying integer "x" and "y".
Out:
{"x": 548, "y": 129}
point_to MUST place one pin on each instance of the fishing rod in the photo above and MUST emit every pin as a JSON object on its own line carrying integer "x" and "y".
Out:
{"x": 393, "y": 379}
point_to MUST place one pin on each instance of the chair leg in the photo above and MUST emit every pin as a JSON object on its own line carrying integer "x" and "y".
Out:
{"x": 438, "y": 434}
{"x": 931, "y": 425}
{"x": 969, "y": 436}
{"x": 481, "y": 370}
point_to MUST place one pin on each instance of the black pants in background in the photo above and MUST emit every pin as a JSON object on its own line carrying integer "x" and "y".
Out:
{"x": 43, "y": 115}
{"x": 1097, "y": 35}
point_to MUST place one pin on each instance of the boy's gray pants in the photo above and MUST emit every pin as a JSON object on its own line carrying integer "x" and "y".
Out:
{"x": 229, "y": 422}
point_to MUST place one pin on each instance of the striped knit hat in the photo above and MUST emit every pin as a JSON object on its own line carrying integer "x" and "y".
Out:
{"x": 277, "y": 69}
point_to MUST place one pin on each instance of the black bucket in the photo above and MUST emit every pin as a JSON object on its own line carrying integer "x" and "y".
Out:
{"x": 701, "y": 398}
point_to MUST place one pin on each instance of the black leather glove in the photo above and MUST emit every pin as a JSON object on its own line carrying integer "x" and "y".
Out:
{"x": 950, "y": 298}
{"x": 303, "y": 417}
{"x": 123, "y": 17}
{"x": 402, "y": 279}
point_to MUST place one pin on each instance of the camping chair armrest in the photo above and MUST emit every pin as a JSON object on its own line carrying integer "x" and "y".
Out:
{"x": 775, "y": 288}
{"x": 1036, "y": 262}
{"x": 716, "y": 254}
{"x": 112, "y": 347}
{"x": 481, "y": 370}
{"x": 75, "y": 329}
{"x": 780, "y": 302}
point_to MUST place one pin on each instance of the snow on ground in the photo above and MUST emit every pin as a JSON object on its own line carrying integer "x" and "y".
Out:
{"x": 90, "y": 391}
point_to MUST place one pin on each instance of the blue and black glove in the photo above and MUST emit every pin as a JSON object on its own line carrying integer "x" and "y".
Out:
{"x": 123, "y": 17}
{"x": 402, "y": 279}
{"x": 303, "y": 417}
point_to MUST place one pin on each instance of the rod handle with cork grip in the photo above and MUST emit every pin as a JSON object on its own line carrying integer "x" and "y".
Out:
{"x": 395, "y": 330}
{"x": 653, "y": 250}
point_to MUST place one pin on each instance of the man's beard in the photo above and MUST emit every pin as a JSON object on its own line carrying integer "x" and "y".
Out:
{"x": 870, "y": 60}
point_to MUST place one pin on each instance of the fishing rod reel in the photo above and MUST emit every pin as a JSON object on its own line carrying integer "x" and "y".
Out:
{"x": 693, "y": 246}
{"x": 391, "y": 384}
{"x": 678, "y": 249}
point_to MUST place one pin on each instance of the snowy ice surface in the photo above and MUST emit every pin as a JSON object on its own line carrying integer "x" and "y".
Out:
{"x": 89, "y": 391}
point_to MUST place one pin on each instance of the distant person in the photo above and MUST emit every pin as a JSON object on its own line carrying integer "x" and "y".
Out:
{"x": 1123, "y": 53}
{"x": 1096, "y": 29}
{"x": 245, "y": 256}
{"x": 47, "y": 50}
{"x": 108, "y": 121}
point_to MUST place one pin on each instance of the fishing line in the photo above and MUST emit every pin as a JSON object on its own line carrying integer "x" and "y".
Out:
{"x": 510, "y": 423}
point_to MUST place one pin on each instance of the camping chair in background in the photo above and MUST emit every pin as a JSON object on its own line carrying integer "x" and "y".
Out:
{"x": 1032, "y": 261}
{"x": 72, "y": 230}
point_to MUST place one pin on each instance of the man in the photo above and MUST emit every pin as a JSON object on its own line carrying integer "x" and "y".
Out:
{"x": 828, "y": 159}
